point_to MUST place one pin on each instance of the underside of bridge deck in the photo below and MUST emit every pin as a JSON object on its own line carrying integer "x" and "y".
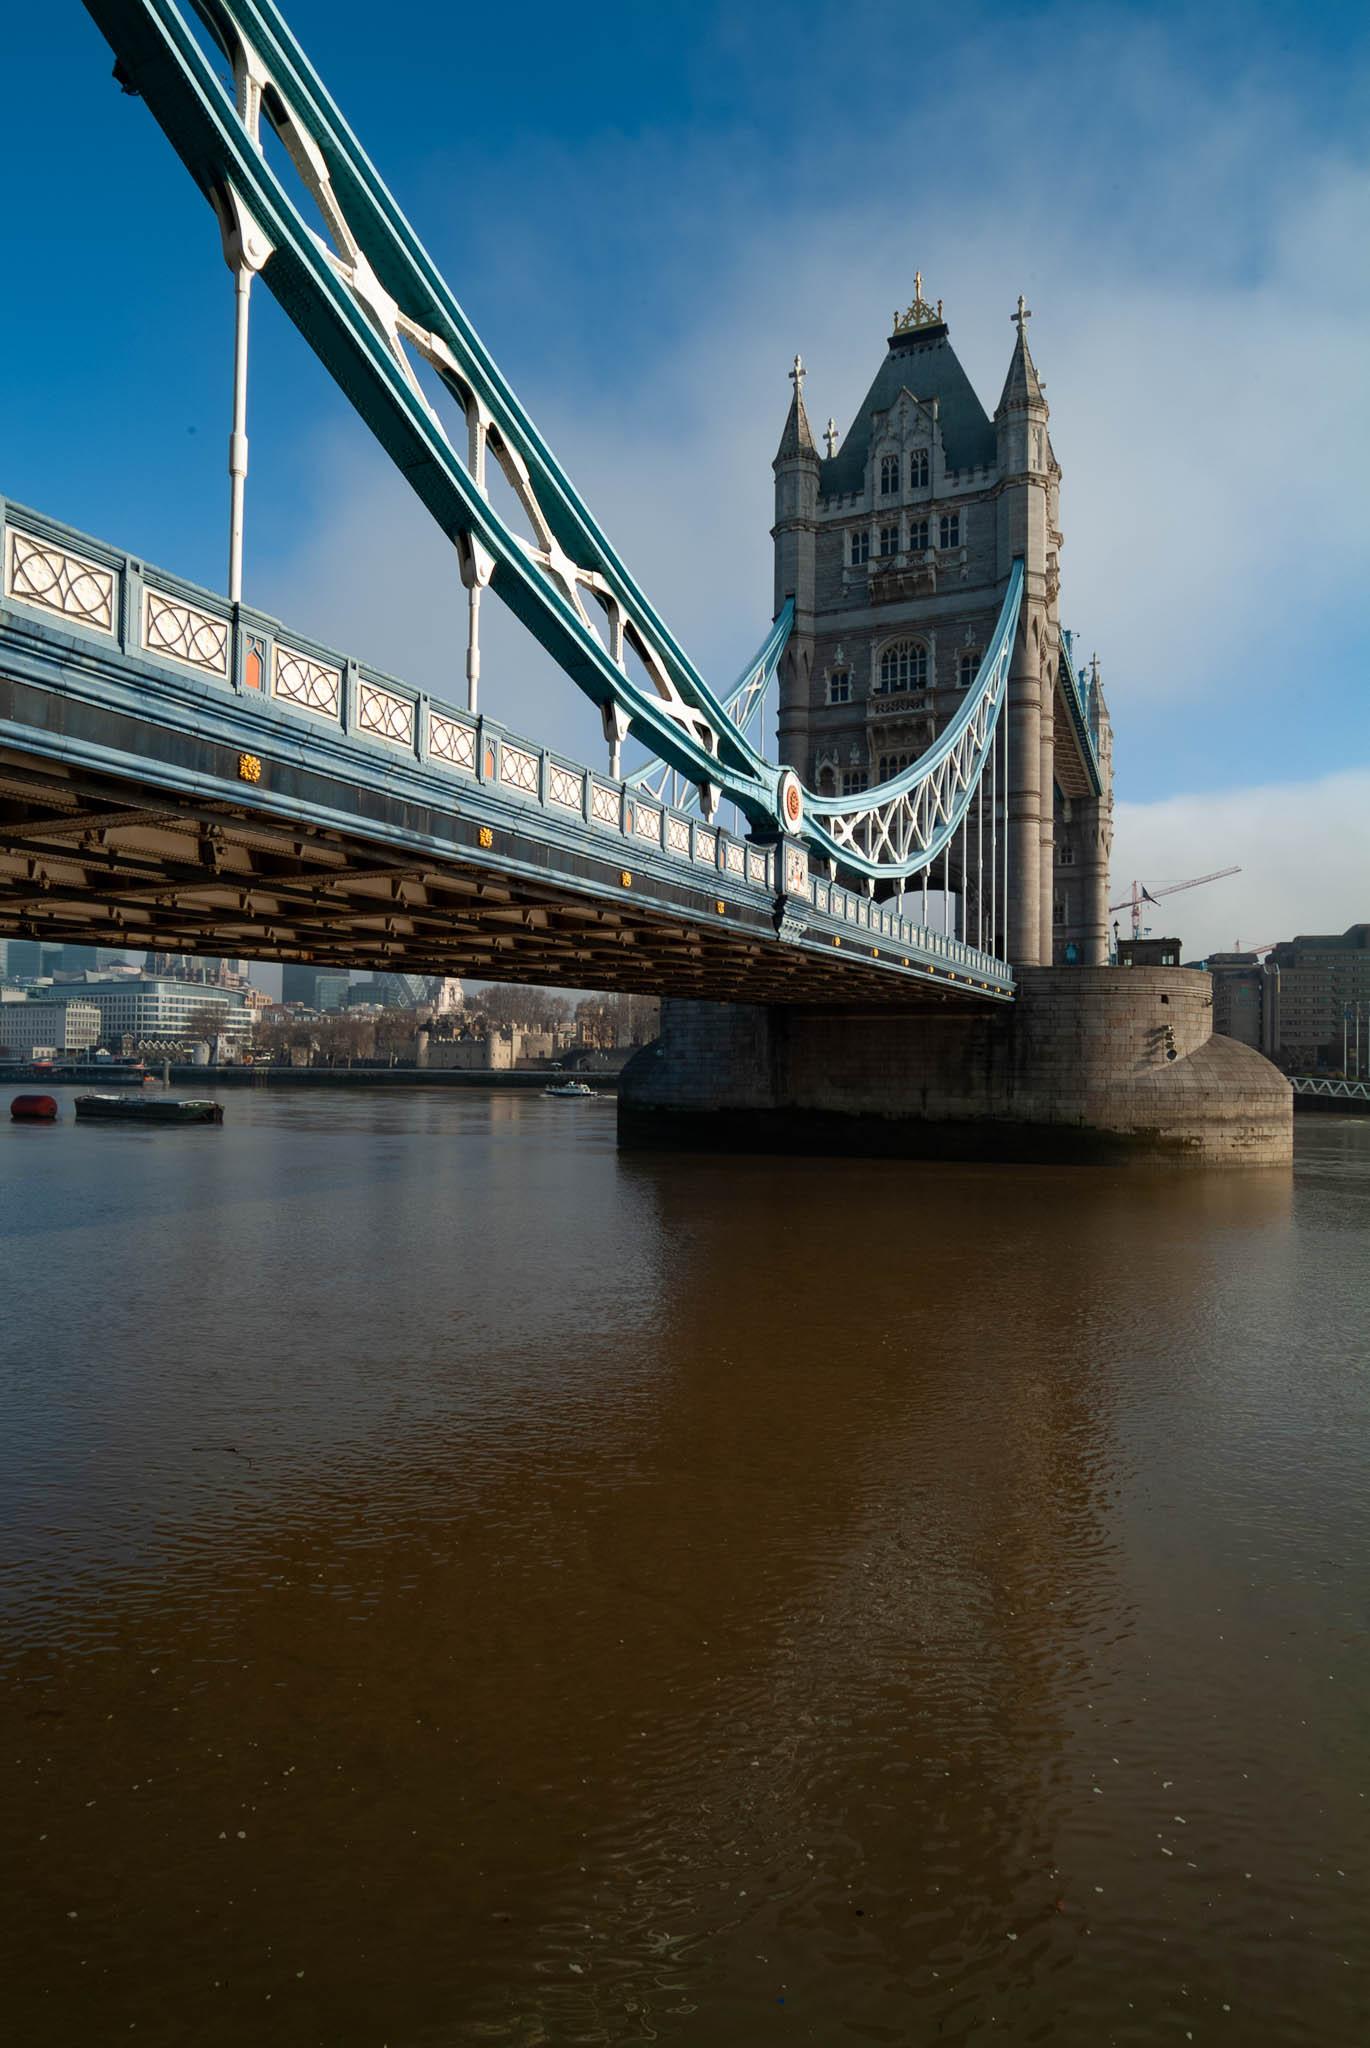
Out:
{"x": 90, "y": 858}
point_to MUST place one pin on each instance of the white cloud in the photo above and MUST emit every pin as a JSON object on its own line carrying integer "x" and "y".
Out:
{"x": 1303, "y": 849}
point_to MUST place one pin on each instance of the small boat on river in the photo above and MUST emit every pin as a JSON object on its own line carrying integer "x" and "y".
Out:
{"x": 147, "y": 1109}
{"x": 572, "y": 1088}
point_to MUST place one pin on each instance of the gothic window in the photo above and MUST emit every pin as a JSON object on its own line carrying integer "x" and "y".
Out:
{"x": 889, "y": 540}
{"x": 1065, "y": 855}
{"x": 839, "y": 686}
{"x": 827, "y": 781}
{"x": 853, "y": 781}
{"x": 969, "y": 667}
{"x": 860, "y": 546}
{"x": 892, "y": 765}
{"x": 918, "y": 469}
{"x": 1058, "y": 910}
{"x": 889, "y": 475}
{"x": 918, "y": 536}
{"x": 903, "y": 666}
{"x": 950, "y": 529}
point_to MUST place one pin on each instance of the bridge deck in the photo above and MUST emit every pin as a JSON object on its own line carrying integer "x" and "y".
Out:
{"x": 176, "y": 773}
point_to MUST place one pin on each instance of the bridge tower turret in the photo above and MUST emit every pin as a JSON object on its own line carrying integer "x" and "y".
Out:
{"x": 1028, "y": 511}
{"x": 796, "y": 469}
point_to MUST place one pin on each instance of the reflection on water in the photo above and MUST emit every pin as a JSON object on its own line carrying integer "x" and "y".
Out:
{"x": 463, "y": 1586}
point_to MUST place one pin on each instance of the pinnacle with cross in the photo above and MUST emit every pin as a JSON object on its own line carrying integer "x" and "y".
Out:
{"x": 830, "y": 436}
{"x": 1021, "y": 317}
{"x": 797, "y": 375}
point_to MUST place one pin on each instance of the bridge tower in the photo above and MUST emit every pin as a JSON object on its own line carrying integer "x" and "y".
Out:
{"x": 897, "y": 547}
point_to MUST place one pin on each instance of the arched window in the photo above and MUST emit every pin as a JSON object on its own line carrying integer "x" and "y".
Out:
{"x": 918, "y": 469}
{"x": 892, "y": 765}
{"x": 827, "y": 780}
{"x": 903, "y": 666}
{"x": 889, "y": 475}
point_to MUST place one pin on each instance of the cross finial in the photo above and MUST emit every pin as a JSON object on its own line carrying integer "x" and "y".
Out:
{"x": 1021, "y": 317}
{"x": 830, "y": 436}
{"x": 797, "y": 376}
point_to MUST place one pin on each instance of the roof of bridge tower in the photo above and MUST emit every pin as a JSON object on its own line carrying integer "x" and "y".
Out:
{"x": 922, "y": 361}
{"x": 797, "y": 438}
{"x": 1022, "y": 385}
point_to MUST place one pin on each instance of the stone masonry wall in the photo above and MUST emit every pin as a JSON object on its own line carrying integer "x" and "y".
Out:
{"x": 1077, "y": 1069}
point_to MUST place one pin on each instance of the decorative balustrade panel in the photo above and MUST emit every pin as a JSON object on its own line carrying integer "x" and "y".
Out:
{"x": 312, "y": 685}
{"x": 677, "y": 836}
{"x": 604, "y": 804}
{"x": 185, "y": 633}
{"x": 451, "y": 741}
{"x": 565, "y": 786}
{"x": 384, "y": 714}
{"x": 706, "y": 847}
{"x": 647, "y": 823}
{"x": 518, "y": 769}
{"x": 38, "y": 572}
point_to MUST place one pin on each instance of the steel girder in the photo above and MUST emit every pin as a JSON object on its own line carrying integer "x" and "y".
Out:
{"x": 901, "y": 826}
{"x": 362, "y": 298}
{"x": 366, "y": 295}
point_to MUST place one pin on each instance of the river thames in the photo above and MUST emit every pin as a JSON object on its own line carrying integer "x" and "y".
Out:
{"x": 461, "y": 1585}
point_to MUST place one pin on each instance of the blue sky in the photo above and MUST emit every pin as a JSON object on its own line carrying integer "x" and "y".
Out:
{"x": 647, "y": 209}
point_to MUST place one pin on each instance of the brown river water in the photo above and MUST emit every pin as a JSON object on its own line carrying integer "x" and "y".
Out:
{"x": 458, "y": 1585}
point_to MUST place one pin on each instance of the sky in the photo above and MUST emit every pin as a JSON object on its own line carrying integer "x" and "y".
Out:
{"x": 646, "y": 210}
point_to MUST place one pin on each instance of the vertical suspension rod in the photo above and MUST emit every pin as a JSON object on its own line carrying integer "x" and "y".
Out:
{"x": 1005, "y": 721}
{"x": 994, "y": 844}
{"x": 237, "y": 440}
{"x": 980, "y": 862}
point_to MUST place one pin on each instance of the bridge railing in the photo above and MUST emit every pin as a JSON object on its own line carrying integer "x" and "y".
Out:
{"x": 152, "y": 616}
{"x": 63, "y": 584}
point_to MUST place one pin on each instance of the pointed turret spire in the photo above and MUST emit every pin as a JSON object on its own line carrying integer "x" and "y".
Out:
{"x": 797, "y": 438}
{"x": 1022, "y": 385}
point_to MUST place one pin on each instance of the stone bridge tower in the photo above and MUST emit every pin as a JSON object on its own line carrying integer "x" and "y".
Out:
{"x": 897, "y": 547}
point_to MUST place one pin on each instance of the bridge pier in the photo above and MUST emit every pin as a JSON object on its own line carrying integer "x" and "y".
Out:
{"x": 1078, "y": 1069}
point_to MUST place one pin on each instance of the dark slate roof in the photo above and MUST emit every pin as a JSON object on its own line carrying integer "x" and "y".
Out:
{"x": 796, "y": 439}
{"x": 924, "y": 361}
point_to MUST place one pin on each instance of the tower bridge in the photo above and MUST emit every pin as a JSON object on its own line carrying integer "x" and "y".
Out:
{"x": 179, "y": 770}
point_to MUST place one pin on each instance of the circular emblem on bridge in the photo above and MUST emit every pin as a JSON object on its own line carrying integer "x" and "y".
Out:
{"x": 791, "y": 800}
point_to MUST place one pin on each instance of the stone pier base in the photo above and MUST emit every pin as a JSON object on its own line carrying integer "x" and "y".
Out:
{"x": 1078, "y": 1069}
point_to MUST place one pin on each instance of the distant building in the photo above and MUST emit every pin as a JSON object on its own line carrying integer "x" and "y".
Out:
{"x": 24, "y": 959}
{"x": 297, "y": 983}
{"x": 1149, "y": 952}
{"x": 163, "y": 1006}
{"x": 1246, "y": 1000}
{"x": 331, "y": 990}
{"x": 38, "y": 1030}
{"x": 1323, "y": 977}
{"x": 402, "y": 991}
